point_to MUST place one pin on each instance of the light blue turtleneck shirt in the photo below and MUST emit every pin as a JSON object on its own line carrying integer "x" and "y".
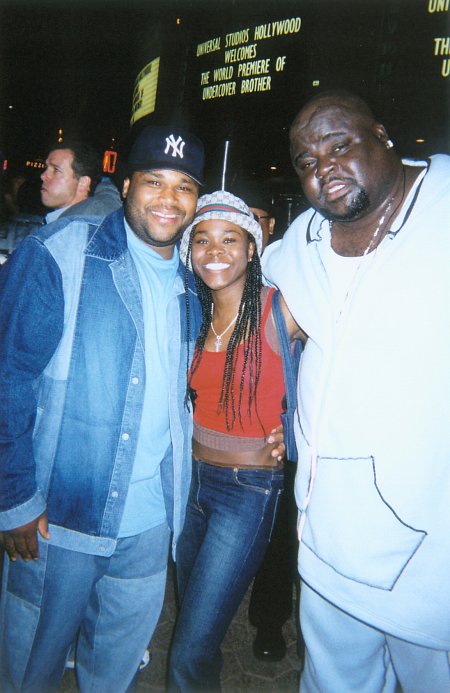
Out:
{"x": 144, "y": 507}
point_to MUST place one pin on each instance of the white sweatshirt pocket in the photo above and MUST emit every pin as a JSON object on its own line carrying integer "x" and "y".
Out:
{"x": 351, "y": 526}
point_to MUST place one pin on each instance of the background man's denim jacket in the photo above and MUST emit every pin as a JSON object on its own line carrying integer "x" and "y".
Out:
{"x": 72, "y": 382}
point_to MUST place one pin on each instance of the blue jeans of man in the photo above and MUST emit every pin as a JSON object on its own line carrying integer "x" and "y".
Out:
{"x": 113, "y": 603}
{"x": 229, "y": 520}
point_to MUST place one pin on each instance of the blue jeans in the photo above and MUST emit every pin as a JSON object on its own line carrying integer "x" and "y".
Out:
{"x": 113, "y": 603}
{"x": 229, "y": 520}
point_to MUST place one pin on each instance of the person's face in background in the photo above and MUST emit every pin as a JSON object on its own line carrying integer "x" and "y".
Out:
{"x": 60, "y": 186}
{"x": 266, "y": 222}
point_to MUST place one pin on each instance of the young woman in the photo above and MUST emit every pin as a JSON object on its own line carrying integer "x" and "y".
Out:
{"x": 236, "y": 385}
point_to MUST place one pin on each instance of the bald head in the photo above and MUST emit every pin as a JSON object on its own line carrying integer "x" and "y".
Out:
{"x": 334, "y": 98}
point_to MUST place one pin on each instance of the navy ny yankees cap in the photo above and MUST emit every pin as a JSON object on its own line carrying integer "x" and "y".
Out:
{"x": 159, "y": 147}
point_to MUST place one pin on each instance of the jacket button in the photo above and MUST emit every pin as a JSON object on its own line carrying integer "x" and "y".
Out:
{"x": 135, "y": 380}
{"x": 125, "y": 436}
{"x": 114, "y": 494}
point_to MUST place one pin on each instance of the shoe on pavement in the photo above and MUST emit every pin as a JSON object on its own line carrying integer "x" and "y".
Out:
{"x": 269, "y": 646}
{"x": 145, "y": 660}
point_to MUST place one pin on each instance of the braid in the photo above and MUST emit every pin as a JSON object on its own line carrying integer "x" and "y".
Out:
{"x": 248, "y": 332}
{"x": 188, "y": 324}
{"x": 204, "y": 296}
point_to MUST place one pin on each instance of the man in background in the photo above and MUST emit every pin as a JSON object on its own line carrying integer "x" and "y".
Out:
{"x": 258, "y": 198}
{"x": 72, "y": 182}
{"x": 29, "y": 215}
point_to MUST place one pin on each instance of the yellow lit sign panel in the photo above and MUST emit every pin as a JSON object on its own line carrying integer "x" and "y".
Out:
{"x": 244, "y": 65}
{"x": 144, "y": 94}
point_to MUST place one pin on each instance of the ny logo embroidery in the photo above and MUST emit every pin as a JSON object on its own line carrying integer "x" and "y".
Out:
{"x": 176, "y": 146}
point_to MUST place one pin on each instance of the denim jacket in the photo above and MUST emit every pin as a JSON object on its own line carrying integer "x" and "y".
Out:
{"x": 72, "y": 380}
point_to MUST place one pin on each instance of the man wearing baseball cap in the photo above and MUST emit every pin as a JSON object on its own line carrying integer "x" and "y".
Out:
{"x": 95, "y": 437}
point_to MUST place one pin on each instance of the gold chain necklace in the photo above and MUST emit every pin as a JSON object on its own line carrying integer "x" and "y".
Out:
{"x": 374, "y": 236}
{"x": 218, "y": 343}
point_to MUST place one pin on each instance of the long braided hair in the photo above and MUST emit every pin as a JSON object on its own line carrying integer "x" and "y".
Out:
{"x": 247, "y": 330}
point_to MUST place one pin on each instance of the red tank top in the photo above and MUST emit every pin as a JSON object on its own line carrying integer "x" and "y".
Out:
{"x": 207, "y": 382}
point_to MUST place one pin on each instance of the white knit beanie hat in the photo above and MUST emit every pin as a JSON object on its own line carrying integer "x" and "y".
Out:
{"x": 223, "y": 205}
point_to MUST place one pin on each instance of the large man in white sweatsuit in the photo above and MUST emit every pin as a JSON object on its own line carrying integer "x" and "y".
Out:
{"x": 365, "y": 273}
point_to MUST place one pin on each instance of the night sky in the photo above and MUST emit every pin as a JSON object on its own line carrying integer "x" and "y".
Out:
{"x": 69, "y": 64}
{"x": 72, "y": 63}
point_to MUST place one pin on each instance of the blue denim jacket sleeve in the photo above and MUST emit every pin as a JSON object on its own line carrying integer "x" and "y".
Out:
{"x": 31, "y": 324}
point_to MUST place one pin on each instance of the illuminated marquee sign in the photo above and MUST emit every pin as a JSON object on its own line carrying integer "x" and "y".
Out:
{"x": 242, "y": 62}
{"x": 144, "y": 94}
{"x": 441, "y": 43}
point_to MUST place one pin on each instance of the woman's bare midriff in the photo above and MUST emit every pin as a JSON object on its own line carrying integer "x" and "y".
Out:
{"x": 255, "y": 459}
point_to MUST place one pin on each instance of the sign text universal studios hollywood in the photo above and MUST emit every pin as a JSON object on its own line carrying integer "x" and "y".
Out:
{"x": 244, "y": 67}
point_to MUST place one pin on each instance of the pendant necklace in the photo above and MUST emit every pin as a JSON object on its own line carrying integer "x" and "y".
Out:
{"x": 218, "y": 342}
{"x": 365, "y": 253}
